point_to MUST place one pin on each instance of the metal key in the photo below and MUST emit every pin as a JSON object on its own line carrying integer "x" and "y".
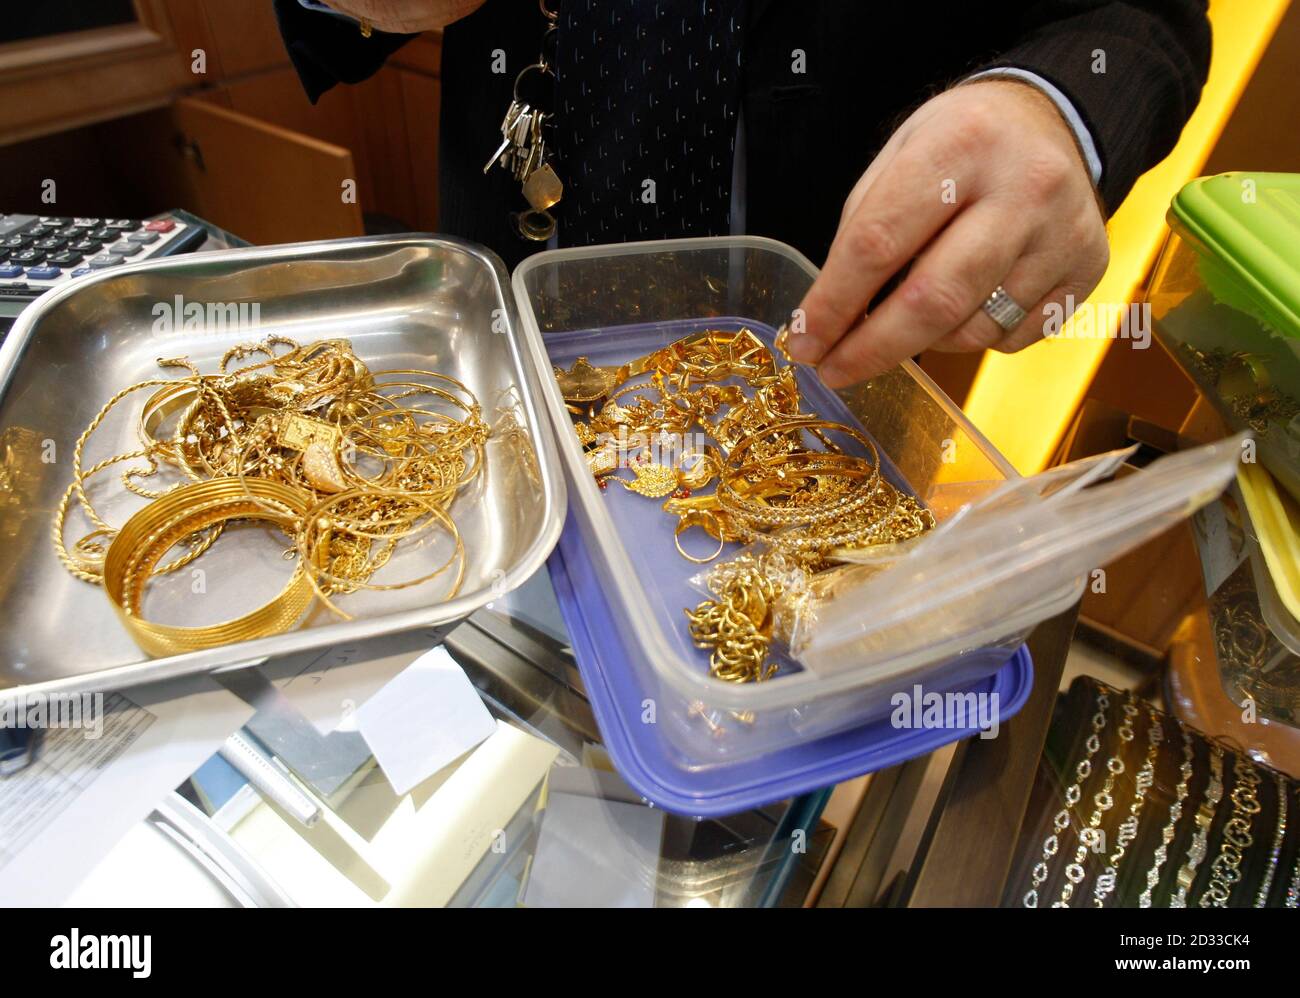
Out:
{"x": 530, "y": 147}
{"x": 513, "y": 113}
{"x": 521, "y": 142}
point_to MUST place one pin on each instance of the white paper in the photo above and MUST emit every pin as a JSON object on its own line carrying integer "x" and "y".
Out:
{"x": 328, "y": 686}
{"x": 149, "y": 869}
{"x": 78, "y": 800}
{"x": 428, "y": 716}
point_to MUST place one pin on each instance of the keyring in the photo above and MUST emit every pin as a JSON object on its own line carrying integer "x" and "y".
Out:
{"x": 541, "y": 67}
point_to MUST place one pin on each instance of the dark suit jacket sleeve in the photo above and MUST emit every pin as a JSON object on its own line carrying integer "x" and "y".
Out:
{"x": 1156, "y": 55}
{"x": 326, "y": 50}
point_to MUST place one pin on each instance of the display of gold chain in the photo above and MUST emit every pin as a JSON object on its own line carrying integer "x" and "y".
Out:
{"x": 1237, "y": 836}
{"x": 1220, "y": 851}
{"x": 1185, "y": 772}
{"x": 1293, "y": 888}
{"x": 1073, "y": 794}
{"x": 1128, "y": 828}
{"x": 1275, "y": 851}
{"x": 1103, "y": 800}
{"x": 1200, "y": 838}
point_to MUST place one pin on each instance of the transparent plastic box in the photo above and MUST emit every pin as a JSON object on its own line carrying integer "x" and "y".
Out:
{"x": 1225, "y": 301}
{"x": 1255, "y": 638}
{"x": 595, "y": 299}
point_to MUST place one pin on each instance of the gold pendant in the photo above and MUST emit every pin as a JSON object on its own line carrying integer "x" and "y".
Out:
{"x": 603, "y": 461}
{"x": 298, "y": 432}
{"x": 586, "y": 383}
{"x": 318, "y": 442}
{"x": 320, "y": 466}
{"x": 654, "y": 481}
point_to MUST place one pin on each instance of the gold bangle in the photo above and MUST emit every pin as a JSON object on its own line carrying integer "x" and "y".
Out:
{"x": 733, "y": 500}
{"x": 322, "y": 527}
{"x": 161, "y": 405}
{"x": 147, "y": 536}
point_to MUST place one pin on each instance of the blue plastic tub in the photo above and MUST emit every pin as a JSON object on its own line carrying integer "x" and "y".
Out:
{"x": 626, "y": 703}
{"x": 694, "y": 750}
{"x": 691, "y": 742}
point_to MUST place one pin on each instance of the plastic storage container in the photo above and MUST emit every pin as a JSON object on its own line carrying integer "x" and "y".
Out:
{"x": 609, "y": 303}
{"x": 936, "y": 615}
{"x": 1256, "y": 638}
{"x": 1225, "y": 300}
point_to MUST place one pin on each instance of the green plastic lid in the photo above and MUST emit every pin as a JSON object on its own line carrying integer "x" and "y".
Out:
{"x": 1249, "y": 225}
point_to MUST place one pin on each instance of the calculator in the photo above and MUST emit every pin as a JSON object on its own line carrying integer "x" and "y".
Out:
{"x": 40, "y": 252}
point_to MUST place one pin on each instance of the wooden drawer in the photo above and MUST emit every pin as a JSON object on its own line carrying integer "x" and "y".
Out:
{"x": 123, "y": 124}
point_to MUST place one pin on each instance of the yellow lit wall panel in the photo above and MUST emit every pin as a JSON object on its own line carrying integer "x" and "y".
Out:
{"x": 1025, "y": 402}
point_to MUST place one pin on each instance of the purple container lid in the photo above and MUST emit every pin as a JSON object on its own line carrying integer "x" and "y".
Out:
{"x": 664, "y": 778}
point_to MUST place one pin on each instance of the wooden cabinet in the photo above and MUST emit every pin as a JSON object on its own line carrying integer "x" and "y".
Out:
{"x": 261, "y": 181}
{"x": 194, "y": 104}
{"x": 59, "y": 81}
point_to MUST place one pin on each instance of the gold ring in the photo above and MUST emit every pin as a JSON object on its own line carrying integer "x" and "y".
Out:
{"x": 692, "y": 519}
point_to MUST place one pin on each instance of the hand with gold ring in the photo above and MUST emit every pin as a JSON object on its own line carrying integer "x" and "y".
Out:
{"x": 985, "y": 204}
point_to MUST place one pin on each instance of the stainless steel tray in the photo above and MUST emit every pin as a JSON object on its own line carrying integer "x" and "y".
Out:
{"x": 404, "y": 302}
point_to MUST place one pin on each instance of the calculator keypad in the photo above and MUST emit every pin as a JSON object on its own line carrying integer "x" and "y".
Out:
{"x": 51, "y": 248}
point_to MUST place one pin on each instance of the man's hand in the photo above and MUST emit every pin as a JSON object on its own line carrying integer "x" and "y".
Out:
{"x": 406, "y": 17}
{"x": 982, "y": 186}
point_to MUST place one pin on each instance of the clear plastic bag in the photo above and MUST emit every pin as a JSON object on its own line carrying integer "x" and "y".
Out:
{"x": 1005, "y": 562}
{"x": 793, "y": 583}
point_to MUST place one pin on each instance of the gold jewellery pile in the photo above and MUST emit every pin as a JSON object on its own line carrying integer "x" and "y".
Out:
{"x": 783, "y": 479}
{"x": 346, "y": 462}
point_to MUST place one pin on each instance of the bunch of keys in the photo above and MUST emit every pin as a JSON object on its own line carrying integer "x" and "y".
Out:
{"x": 522, "y": 145}
{"x": 523, "y": 152}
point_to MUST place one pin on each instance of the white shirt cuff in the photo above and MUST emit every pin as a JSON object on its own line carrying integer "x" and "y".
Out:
{"x": 1063, "y": 104}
